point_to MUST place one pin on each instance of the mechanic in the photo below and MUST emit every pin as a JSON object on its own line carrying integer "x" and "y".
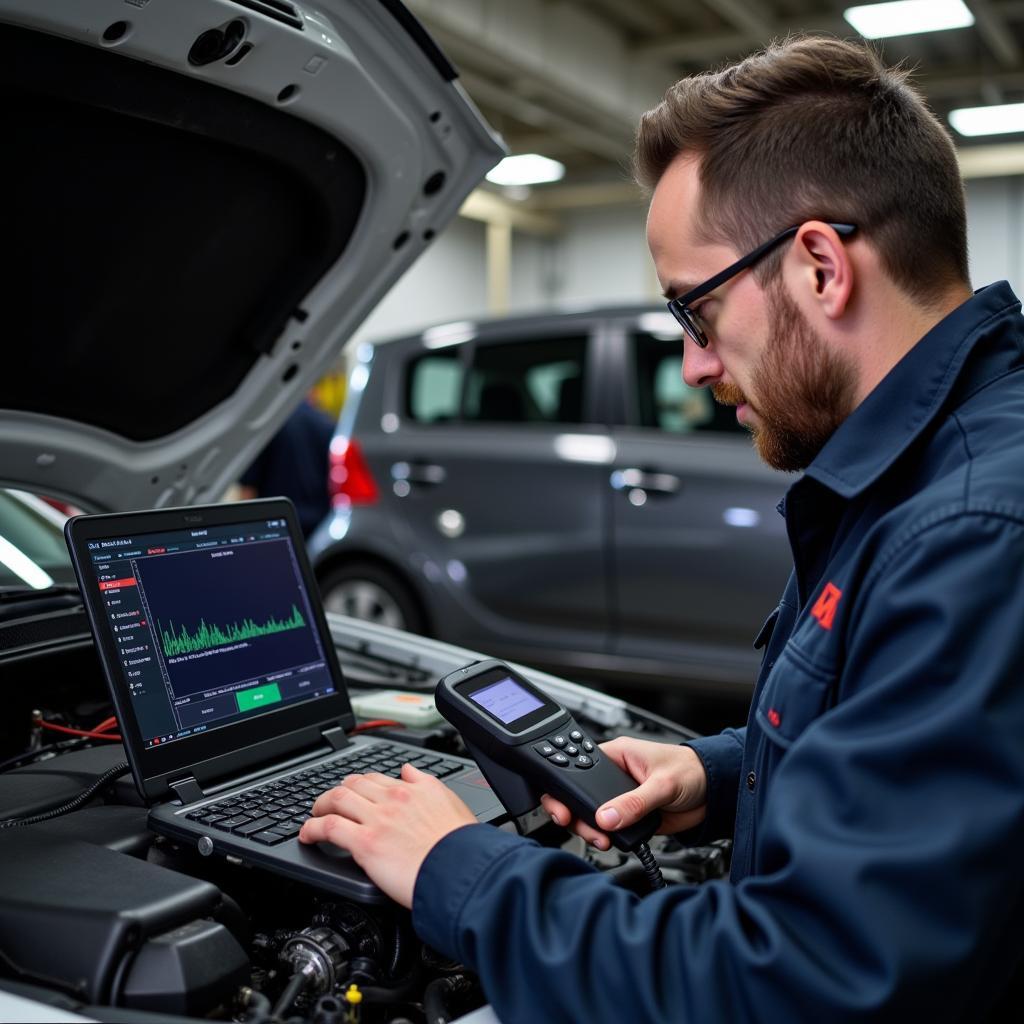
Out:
{"x": 876, "y": 795}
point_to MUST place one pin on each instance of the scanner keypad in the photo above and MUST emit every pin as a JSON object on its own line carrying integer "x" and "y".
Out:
{"x": 565, "y": 752}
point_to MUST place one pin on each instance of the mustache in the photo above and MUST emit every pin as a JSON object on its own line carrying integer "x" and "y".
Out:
{"x": 728, "y": 394}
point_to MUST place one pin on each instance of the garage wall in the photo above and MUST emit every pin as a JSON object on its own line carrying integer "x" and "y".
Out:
{"x": 995, "y": 231}
{"x": 449, "y": 282}
{"x": 602, "y": 258}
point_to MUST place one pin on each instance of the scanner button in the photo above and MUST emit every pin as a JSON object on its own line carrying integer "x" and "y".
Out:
{"x": 559, "y": 741}
{"x": 584, "y": 762}
{"x": 560, "y": 759}
{"x": 575, "y": 735}
{"x": 544, "y": 748}
{"x": 588, "y": 746}
{"x": 571, "y": 750}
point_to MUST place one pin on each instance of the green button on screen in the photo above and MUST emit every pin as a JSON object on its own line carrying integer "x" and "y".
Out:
{"x": 257, "y": 697}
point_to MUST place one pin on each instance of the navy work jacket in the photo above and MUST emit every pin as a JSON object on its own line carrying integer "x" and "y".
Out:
{"x": 876, "y": 795}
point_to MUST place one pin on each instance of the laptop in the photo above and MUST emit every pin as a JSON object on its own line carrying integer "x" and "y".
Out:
{"x": 227, "y": 687}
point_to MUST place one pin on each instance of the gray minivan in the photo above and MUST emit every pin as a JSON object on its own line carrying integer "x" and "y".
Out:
{"x": 548, "y": 489}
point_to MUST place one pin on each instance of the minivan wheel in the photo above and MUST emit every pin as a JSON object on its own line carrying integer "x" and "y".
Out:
{"x": 366, "y": 591}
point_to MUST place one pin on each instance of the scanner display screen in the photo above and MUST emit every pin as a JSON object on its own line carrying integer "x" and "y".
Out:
{"x": 506, "y": 700}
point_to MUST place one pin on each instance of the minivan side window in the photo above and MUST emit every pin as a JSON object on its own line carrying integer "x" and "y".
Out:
{"x": 434, "y": 387}
{"x": 535, "y": 381}
{"x": 663, "y": 400}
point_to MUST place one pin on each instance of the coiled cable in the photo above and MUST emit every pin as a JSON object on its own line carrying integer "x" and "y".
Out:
{"x": 651, "y": 869}
{"x": 73, "y": 804}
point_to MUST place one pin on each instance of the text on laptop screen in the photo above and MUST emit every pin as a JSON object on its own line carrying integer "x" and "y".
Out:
{"x": 211, "y": 625}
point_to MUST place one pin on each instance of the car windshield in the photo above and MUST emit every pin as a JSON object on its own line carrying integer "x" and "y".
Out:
{"x": 33, "y": 555}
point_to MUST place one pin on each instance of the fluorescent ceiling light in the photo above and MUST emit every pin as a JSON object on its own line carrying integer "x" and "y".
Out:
{"x": 526, "y": 169}
{"x": 996, "y": 120}
{"x": 906, "y": 17}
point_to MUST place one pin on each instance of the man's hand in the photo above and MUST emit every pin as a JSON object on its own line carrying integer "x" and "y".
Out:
{"x": 389, "y": 826}
{"x": 672, "y": 779}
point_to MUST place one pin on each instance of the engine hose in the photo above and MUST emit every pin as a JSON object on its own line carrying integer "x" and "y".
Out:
{"x": 257, "y": 1006}
{"x": 72, "y": 805}
{"x": 398, "y": 950}
{"x": 651, "y": 869}
{"x": 435, "y": 997}
{"x": 296, "y": 983}
{"x": 392, "y": 994}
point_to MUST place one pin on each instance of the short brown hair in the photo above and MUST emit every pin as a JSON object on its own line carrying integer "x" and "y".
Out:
{"x": 817, "y": 128}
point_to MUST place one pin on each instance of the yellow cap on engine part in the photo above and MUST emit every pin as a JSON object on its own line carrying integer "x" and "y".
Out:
{"x": 353, "y": 996}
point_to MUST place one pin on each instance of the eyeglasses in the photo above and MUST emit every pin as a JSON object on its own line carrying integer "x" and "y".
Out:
{"x": 691, "y": 321}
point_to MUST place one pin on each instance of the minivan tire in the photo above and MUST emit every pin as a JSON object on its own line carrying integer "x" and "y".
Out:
{"x": 365, "y": 590}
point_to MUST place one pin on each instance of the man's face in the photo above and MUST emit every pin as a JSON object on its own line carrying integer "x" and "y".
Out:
{"x": 803, "y": 389}
{"x": 790, "y": 388}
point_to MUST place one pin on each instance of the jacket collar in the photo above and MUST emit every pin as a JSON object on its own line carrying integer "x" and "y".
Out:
{"x": 910, "y": 396}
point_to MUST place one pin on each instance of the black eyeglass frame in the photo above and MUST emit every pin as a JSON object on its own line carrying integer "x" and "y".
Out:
{"x": 690, "y": 321}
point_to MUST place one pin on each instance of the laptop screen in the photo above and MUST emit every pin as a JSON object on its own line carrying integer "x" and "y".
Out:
{"x": 211, "y": 625}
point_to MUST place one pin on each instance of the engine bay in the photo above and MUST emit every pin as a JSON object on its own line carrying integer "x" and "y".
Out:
{"x": 101, "y": 917}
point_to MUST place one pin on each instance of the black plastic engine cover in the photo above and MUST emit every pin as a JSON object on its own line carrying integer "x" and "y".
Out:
{"x": 72, "y": 915}
{"x": 188, "y": 970}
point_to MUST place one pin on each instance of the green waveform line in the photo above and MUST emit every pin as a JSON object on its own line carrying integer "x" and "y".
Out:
{"x": 205, "y": 637}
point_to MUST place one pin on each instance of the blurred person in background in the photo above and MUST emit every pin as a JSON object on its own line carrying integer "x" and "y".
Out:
{"x": 295, "y": 463}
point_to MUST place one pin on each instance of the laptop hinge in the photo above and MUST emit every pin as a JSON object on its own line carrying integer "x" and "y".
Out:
{"x": 336, "y": 737}
{"x": 187, "y": 789}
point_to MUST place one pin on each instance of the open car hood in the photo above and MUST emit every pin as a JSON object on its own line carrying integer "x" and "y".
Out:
{"x": 204, "y": 200}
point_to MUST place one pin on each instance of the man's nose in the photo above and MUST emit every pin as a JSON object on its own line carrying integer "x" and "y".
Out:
{"x": 701, "y": 366}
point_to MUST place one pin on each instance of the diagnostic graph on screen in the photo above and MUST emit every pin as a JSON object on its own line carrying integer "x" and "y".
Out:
{"x": 205, "y": 637}
{"x": 228, "y": 615}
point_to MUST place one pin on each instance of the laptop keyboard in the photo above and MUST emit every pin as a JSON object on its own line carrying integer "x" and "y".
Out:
{"x": 275, "y": 811}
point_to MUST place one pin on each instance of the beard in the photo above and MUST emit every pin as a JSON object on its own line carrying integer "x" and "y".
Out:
{"x": 804, "y": 389}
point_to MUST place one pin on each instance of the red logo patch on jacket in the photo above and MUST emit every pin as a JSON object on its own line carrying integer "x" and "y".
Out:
{"x": 824, "y": 609}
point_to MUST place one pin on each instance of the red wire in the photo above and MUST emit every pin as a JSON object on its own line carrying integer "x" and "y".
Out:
{"x": 91, "y": 733}
{"x": 378, "y": 723}
{"x": 100, "y": 731}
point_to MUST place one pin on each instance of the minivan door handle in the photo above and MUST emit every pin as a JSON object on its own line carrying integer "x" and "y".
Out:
{"x": 418, "y": 472}
{"x": 645, "y": 480}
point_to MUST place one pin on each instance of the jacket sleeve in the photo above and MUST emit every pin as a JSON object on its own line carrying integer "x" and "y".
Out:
{"x": 888, "y": 883}
{"x": 722, "y": 757}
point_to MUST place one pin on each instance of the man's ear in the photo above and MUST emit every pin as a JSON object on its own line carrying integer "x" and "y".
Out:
{"x": 823, "y": 270}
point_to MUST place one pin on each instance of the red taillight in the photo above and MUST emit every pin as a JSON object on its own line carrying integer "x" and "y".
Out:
{"x": 350, "y": 481}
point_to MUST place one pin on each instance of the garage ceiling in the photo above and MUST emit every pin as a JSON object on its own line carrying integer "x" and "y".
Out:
{"x": 568, "y": 78}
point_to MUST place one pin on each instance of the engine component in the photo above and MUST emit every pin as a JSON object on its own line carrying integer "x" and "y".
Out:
{"x": 188, "y": 970}
{"x": 255, "y": 1004}
{"x": 440, "y": 991}
{"x": 328, "y": 1010}
{"x": 317, "y": 954}
{"x": 76, "y": 916}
